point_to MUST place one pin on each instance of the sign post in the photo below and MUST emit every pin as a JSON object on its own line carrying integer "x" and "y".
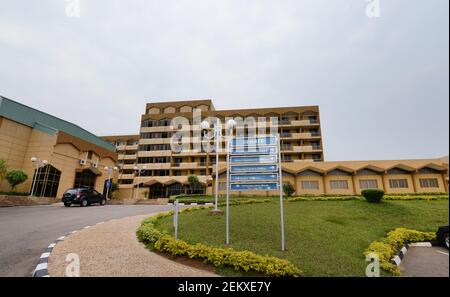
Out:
{"x": 254, "y": 164}
{"x": 176, "y": 206}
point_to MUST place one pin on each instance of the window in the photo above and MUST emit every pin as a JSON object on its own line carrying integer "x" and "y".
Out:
{"x": 368, "y": 184}
{"x": 310, "y": 185}
{"x": 398, "y": 183}
{"x": 429, "y": 183}
{"x": 89, "y": 155}
{"x": 339, "y": 184}
{"x": 46, "y": 181}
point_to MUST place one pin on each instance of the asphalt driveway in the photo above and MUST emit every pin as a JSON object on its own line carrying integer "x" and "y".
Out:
{"x": 26, "y": 231}
{"x": 425, "y": 262}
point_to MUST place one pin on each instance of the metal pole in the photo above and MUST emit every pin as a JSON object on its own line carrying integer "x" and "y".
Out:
{"x": 107, "y": 188}
{"x": 139, "y": 176}
{"x": 217, "y": 132}
{"x": 35, "y": 177}
{"x": 175, "y": 218}
{"x": 281, "y": 193}
{"x": 228, "y": 192}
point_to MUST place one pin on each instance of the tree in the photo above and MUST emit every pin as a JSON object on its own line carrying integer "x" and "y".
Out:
{"x": 113, "y": 188}
{"x": 16, "y": 177}
{"x": 3, "y": 169}
{"x": 288, "y": 189}
{"x": 193, "y": 181}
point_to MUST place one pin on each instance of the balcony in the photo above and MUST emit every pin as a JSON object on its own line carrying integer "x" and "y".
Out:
{"x": 188, "y": 165}
{"x": 301, "y": 123}
{"x": 126, "y": 176}
{"x": 129, "y": 157}
{"x": 131, "y": 147}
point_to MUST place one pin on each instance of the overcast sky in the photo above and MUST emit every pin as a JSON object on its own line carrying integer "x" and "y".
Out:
{"x": 381, "y": 83}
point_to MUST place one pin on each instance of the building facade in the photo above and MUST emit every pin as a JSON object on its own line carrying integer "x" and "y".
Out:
{"x": 351, "y": 177}
{"x": 75, "y": 157}
{"x": 164, "y": 172}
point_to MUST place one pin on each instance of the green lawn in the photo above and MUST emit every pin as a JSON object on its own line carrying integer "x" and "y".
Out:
{"x": 323, "y": 238}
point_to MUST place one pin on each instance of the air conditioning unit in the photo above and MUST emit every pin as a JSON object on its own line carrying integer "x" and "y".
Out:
{"x": 82, "y": 162}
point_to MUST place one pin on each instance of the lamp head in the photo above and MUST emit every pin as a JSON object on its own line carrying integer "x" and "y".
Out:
{"x": 116, "y": 168}
{"x": 33, "y": 159}
{"x": 45, "y": 162}
{"x": 231, "y": 124}
{"x": 136, "y": 168}
{"x": 106, "y": 168}
{"x": 205, "y": 125}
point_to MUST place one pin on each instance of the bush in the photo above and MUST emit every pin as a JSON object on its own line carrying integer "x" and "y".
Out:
{"x": 12, "y": 193}
{"x": 15, "y": 177}
{"x": 219, "y": 257}
{"x": 387, "y": 248}
{"x": 288, "y": 189}
{"x": 373, "y": 195}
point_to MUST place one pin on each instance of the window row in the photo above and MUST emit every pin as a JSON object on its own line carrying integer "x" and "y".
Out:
{"x": 154, "y": 147}
{"x": 156, "y": 135}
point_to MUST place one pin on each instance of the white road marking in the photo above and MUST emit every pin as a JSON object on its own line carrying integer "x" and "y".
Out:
{"x": 45, "y": 255}
{"x": 61, "y": 238}
{"x": 441, "y": 252}
{"x": 421, "y": 244}
{"x": 52, "y": 245}
{"x": 41, "y": 266}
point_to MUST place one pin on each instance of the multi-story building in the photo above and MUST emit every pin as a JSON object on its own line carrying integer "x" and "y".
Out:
{"x": 64, "y": 154}
{"x": 164, "y": 172}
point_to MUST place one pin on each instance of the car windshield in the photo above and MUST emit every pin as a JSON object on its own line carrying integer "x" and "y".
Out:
{"x": 71, "y": 191}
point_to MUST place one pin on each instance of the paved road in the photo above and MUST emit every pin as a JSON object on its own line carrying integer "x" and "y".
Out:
{"x": 26, "y": 231}
{"x": 425, "y": 262}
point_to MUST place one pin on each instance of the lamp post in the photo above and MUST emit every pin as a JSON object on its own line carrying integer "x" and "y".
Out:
{"x": 138, "y": 171}
{"x": 230, "y": 125}
{"x": 217, "y": 134}
{"x": 109, "y": 171}
{"x": 38, "y": 164}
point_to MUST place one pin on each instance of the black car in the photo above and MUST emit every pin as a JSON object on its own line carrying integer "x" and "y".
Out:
{"x": 442, "y": 235}
{"x": 83, "y": 197}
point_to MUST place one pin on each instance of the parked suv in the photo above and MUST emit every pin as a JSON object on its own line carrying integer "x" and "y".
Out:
{"x": 442, "y": 235}
{"x": 83, "y": 197}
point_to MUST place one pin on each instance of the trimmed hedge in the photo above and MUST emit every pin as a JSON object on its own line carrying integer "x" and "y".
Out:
{"x": 219, "y": 257}
{"x": 373, "y": 195}
{"x": 13, "y": 193}
{"x": 330, "y": 198}
{"x": 415, "y": 197}
{"x": 389, "y": 246}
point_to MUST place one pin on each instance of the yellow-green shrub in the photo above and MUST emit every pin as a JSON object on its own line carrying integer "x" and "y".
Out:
{"x": 239, "y": 260}
{"x": 389, "y": 246}
{"x": 323, "y": 198}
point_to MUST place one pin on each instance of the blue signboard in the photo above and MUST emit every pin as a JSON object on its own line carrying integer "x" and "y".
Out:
{"x": 256, "y": 150}
{"x": 254, "y": 177}
{"x": 253, "y": 168}
{"x": 254, "y": 159}
{"x": 254, "y": 141}
{"x": 108, "y": 183}
{"x": 254, "y": 187}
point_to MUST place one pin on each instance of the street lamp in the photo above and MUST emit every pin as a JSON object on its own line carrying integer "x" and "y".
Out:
{"x": 138, "y": 171}
{"x": 38, "y": 163}
{"x": 217, "y": 133}
{"x": 108, "y": 185}
{"x": 230, "y": 125}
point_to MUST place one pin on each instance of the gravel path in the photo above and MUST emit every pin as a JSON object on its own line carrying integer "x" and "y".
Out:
{"x": 112, "y": 249}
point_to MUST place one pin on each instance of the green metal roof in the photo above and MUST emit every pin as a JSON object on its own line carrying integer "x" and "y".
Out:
{"x": 44, "y": 122}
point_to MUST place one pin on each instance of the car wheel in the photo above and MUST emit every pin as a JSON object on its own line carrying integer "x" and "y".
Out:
{"x": 67, "y": 204}
{"x": 445, "y": 240}
{"x": 84, "y": 203}
{"x": 103, "y": 202}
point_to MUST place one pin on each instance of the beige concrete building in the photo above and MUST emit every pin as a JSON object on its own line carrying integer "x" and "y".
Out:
{"x": 75, "y": 156}
{"x": 166, "y": 172}
{"x": 351, "y": 177}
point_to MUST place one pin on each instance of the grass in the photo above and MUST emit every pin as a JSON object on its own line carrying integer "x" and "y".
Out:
{"x": 323, "y": 238}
